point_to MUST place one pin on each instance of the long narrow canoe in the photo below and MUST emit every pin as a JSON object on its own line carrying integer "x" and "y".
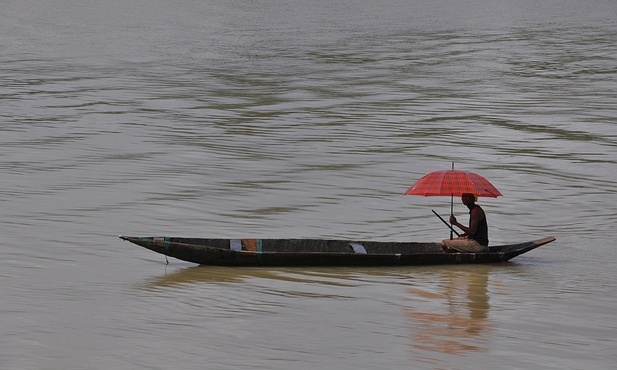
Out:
{"x": 317, "y": 252}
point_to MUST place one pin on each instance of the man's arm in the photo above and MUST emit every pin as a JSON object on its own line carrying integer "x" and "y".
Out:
{"x": 474, "y": 221}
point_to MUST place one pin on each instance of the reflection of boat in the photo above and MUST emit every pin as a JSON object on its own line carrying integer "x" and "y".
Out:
{"x": 318, "y": 252}
{"x": 216, "y": 275}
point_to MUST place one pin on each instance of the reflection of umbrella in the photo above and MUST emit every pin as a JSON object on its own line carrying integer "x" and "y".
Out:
{"x": 453, "y": 183}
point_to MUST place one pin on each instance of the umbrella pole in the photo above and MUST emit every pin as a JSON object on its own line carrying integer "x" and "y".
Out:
{"x": 451, "y": 208}
{"x": 451, "y": 213}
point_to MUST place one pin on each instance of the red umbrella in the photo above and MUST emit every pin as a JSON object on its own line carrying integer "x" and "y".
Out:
{"x": 453, "y": 183}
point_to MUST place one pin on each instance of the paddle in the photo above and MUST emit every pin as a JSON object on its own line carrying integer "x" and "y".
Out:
{"x": 447, "y": 224}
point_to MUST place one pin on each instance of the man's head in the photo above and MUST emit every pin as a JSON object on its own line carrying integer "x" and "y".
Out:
{"x": 468, "y": 198}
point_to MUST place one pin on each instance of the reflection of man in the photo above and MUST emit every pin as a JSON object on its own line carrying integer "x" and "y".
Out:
{"x": 475, "y": 237}
{"x": 462, "y": 325}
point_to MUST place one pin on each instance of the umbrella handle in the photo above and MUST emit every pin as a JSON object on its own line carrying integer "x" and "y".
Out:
{"x": 447, "y": 224}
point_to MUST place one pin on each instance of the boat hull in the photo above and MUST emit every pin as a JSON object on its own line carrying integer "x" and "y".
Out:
{"x": 316, "y": 252}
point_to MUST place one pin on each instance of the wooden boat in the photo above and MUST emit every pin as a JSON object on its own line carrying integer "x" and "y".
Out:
{"x": 317, "y": 252}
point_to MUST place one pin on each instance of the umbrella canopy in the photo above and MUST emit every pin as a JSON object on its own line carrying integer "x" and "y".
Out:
{"x": 453, "y": 183}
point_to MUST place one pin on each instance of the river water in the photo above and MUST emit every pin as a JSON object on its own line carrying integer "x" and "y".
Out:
{"x": 273, "y": 119}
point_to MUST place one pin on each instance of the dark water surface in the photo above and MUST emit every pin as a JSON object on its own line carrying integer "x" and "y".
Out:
{"x": 304, "y": 119}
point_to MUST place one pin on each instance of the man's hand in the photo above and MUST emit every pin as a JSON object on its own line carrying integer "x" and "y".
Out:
{"x": 453, "y": 220}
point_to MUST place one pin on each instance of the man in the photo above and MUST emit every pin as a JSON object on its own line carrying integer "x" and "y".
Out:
{"x": 475, "y": 237}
